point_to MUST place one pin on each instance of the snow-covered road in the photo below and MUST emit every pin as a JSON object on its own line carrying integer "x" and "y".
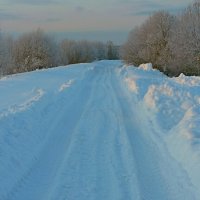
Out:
{"x": 84, "y": 135}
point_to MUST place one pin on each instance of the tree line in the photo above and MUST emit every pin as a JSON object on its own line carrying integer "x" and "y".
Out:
{"x": 170, "y": 42}
{"x": 36, "y": 50}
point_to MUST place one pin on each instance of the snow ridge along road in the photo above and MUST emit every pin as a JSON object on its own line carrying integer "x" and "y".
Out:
{"x": 86, "y": 137}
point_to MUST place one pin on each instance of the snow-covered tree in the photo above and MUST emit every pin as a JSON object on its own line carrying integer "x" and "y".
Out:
{"x": 1, "y": 54}
{"x": 132, "y": 51}
{"x": 185, "y": 41}
{"x": 6, "y": 61}
{"x": 149, "y": 42}
{"x": 69, "y": 52}
{"x": 112, "y": 52}
{"x": 81, "y": 51}
{"x": 32, "y": 51}
{"x": 99, "y": 50}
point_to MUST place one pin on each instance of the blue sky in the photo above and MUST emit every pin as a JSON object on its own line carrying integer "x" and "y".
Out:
{"x": 81, "y": 16}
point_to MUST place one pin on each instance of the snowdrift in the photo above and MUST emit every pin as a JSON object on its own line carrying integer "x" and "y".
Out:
{"x": 173, "y": 105}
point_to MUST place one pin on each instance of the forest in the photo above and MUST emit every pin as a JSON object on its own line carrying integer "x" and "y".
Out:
{"x": 37, "y": 50}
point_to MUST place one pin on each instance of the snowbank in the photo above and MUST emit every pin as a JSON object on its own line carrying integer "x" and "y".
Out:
{"x": 187, "y": 80}
{"x": 173, "y": 105}
{"x": 132, "y": 84}
{"x": 146, "y": 67}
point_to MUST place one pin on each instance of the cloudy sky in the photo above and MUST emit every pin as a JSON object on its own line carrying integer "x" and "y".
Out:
{"x": 81, "y": 16}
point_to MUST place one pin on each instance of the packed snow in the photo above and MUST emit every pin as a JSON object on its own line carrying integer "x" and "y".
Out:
{"x": 99, "y": 131}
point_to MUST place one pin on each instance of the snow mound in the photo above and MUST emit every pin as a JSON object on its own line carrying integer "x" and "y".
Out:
{"x": 146, "y": 67}
{"x": 3, "y": 78}
{"x": 37, "y": 94}
{"x": 66, "y": 85}
{"x": 150, "y": 97}
{"x": 173, "y": 107}
{"x": 132, "y": 85}
{"x": 186, "y": 80}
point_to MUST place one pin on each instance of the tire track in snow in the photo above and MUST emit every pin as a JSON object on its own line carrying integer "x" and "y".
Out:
{"x": 156, "y": 173}
{"x": 116, "y": 146}
{"x": 37, "y": 95}
{"x": 70, "y": 178}
{"x": 82, "y": 170}
{"x": 90, "y": 166}
{"x": 37, "y": 181}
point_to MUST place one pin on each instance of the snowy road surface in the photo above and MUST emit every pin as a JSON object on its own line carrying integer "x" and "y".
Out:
{"x": 82, "y": 133}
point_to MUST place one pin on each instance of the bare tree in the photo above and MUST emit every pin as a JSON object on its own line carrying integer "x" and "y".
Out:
{"x": 86, "y": 51}
{"x": 6, "y": 61}
{"x": 99, "y": 50}
{"x": 132, "y": 51}
{"x": 33, "y": 50}
{"x": 81, "y": 51}
{"x": 70, "y": 52}
{"x": 185, "y": 41}
{"x": 1, "y": 54}
{"x": 112, "y": 52}
{"x": 149, "y": 42}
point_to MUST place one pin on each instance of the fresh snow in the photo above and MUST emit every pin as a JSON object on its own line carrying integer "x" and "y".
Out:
{"x": 99, "y": 131}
